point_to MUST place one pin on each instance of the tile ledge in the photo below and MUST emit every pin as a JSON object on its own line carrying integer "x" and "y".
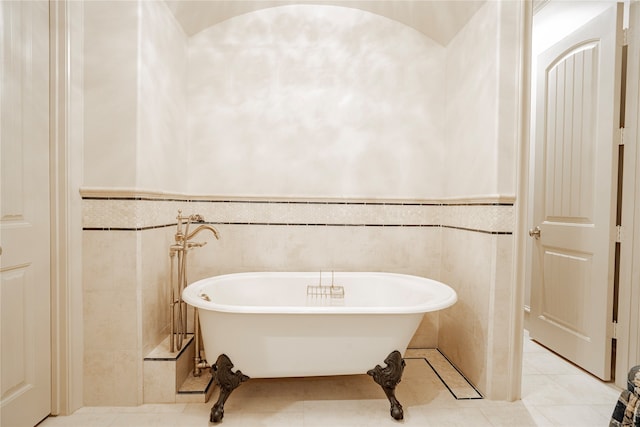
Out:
{"x": 125, "y": 192}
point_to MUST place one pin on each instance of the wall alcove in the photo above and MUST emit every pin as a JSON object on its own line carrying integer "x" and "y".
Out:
{"x": 314, "y": 137}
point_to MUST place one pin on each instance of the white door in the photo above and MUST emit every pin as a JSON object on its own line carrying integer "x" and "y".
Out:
{"x": 25, "y": 345}
{"x": 577, "y": 107}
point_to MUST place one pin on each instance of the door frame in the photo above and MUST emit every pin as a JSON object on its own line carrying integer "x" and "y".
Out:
{"x": 65, "y": 121}
{"x": 628, "y": 329}
{"x": 521, "y": 208}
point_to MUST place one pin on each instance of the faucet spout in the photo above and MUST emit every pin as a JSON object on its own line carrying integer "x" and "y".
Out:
{"x": 200, "y": 228}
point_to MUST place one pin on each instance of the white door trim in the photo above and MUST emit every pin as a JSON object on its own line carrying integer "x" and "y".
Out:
{"x": 66, "y": 216}
{"x": 521, "y": 208}
{"x": 628, "y": 331}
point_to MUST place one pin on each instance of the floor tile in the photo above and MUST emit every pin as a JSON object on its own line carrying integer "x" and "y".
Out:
{"x": 555, "y": 393}
{"x": 574, "y": 415}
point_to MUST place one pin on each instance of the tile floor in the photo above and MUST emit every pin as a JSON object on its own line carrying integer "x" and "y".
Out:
{"x": 554, "y": 393}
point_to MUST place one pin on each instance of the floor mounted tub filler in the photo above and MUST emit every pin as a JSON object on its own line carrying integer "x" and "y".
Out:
{"x": 271, "y": 325}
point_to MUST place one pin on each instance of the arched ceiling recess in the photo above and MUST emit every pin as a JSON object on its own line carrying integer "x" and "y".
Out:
{"x": 439, "y": 20}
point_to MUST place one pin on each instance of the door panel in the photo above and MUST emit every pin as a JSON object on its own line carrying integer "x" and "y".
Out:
{"x": 564, "y": 273}
{"x": 576, "y": 116}
{"x": 570, "y": 141}
{"x": 25, "y": 301}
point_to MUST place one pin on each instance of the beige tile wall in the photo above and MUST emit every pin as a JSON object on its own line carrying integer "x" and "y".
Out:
{"x": 126, "y": 267}
{"x": 474, "y": 333}
{"x": 111, "y": 318}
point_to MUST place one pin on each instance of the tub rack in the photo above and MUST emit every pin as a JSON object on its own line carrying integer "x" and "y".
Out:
{"x": 333, "y": 291}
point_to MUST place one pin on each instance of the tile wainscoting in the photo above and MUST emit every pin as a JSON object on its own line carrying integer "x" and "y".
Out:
{"x": 126, "y": 267}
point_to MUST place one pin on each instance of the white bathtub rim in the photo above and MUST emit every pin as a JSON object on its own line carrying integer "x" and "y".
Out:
{"x": 446, "y": 298}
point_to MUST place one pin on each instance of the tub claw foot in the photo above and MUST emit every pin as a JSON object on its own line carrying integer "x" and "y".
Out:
{"x": 388, "y": 378}
{"x": 227, "y": 381}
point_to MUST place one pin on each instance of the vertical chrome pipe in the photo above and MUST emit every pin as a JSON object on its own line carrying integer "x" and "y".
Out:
{"x": 196, "y": 337}
{"x": 183, "y": 285}
{"x": 172, "y": 304}
{"x": 181, "y": 322}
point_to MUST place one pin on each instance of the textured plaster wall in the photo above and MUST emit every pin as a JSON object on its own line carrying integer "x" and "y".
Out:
{"x": 315, "y": 101}
{"x": 162, "y": 107}
{"x": 482, "y": 104}
{"x": 110, "y": 93}
{"x": 471, "y": 121}
{"x": 135, "y": 96}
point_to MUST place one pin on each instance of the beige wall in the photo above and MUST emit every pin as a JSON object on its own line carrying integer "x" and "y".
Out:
{"x": 482, "y": 104}
{"x": 475, "y": 332}
{"x": 110, "y": 93}
{"x": 398, "y": 122}
{"x": 112, "y": 352}
{"x": 482, "y": 139}
{"x": 162, "y": 106}
{"x": 471, "y": 85}
{"x": 134, "y": 137}
{"x": 315, "y": 101}
{"x": 134, "y": 96}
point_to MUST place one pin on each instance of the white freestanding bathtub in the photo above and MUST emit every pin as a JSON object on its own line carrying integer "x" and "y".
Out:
{"x": 268, "y": 325}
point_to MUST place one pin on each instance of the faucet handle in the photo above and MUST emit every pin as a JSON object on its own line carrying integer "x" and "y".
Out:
{"x": 195, "y": 245}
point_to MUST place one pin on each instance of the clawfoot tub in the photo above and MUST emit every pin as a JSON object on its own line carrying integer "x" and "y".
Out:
{"x": 289, "y": 324}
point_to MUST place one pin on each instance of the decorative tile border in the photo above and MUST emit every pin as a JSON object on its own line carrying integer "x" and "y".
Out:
{"x": 496, "y": 218}
{"x": 142, "y": 212}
